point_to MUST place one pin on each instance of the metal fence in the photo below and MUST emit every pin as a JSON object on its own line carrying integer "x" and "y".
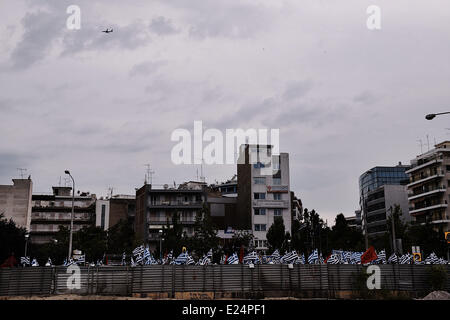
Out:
{"x": 262, "y": 280}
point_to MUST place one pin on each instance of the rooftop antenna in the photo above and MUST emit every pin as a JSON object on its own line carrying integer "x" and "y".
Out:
{"x": 202, "y": 178}
{"x": 149, "y": 174}
{"x": 59, "y": 181}
{"x": 110, "y": 191}
{"x": 428, "y": 142}
{"x": 22, "y": 170}
{"x": 421, "y": 145}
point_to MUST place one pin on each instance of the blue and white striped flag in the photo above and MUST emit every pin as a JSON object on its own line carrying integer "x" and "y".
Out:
{"x": 133, "y": 264}
{"x": 190, "y": 260}
{"x": 300, "y": 259}
{"x": 333, "y": 259}
{"x": 81, "y": 260}
{"x": 251, "y": 258}
{"x": 313, "y": 257}
{"x": 233, "y": 259}
{"x": 34, "y": 263}
{"x": 181, "y": 259}
{"x": 432, "y": 259}
{"x": 406, "y": 259}
{"x": 393, "y": 258}
{"x": 346, "y": 257}
{"x": 356, "y": 257}
{"x": 289, "y": 257}
{"x": 49, "y": 263}
{"x": 25, "y": 261}
{"x": 275, "y": 257}
{"x": 381, "y": 257}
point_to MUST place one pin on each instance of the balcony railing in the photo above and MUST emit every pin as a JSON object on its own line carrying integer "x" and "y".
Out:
{"x": 426, "y": 207}
{"x": 175, "y": 203}
{"x": 270, "y": 203}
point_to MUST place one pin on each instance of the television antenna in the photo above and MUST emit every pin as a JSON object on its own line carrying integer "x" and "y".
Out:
{"x": 421, "y": 145}
{"x": 22, "y": 170}
{"x": 149, "y": 174}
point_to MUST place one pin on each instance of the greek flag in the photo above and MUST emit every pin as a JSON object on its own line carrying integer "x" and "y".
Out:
{"x": 210, "y": 254}
{"x": 81, "y": 259}
{"x": 346, "y": 256}
{"x": 133, "y": 264}
{"x": 333, "y": 259}
{"x": 442, "y": 261}
{"x": 233, "y": 259}
{"x": 313, "y": 257}
{"x": 275, "y": 256}
{"x": 406, "y": 259}
{"x": 251, "y": 258}
{"x": 381, "y": 257}
{"x": 393, "y": 258}
{"x": 289, "y": 257}
{"x": 138, "y": 250}
{"x": 124, "y": 256}
{"x": 300, "y": 259}
{"x": 356, "y": 258}
{"x": 25, "y": 261}
{"x": 432, "y": 259}
{"x": 34, "y": 263}
{"x": 189, "y": 260}
{"x": 181, "y": 259}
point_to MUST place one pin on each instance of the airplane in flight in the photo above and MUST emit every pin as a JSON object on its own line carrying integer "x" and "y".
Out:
{"x": 107, "y": 30}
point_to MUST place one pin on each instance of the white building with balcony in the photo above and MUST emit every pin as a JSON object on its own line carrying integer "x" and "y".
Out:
{"x": 429, "y": 187}
{"x": 263, "y": 190}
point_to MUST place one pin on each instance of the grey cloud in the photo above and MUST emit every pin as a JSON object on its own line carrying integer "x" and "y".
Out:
{"x": 40, "y": 31}
{"x": 146, "y": 68}
{"x": 162, "y": 26}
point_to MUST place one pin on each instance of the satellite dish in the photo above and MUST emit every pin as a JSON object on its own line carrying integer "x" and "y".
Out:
{"x": 166, "y": 186}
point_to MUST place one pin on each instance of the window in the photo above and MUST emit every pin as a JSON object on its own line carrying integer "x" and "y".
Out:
{"x": 277, "y": 181}
{"x": 259, "y": 180}
{"x": 260, "y": 211}
{"x": 277, "y": 212}
{"x": 260, "y": 227}
{"x": 277, "y": 196}
{"x": 259, "y": 195}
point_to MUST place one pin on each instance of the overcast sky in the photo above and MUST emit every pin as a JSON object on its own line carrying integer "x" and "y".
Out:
{"x": 345, "y": 98}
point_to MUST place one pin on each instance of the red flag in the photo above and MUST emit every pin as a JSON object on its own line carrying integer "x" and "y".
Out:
{"x": 241, "y": 254}
{"x": 327, "y": 258}
{"x": 369, "y": 255}
{"x": 226, "y": 259}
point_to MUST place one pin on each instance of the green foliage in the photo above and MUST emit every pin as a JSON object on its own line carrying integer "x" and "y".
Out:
{"x": 173, "y": 235}
{"x": 344, "y": 237}
{"x": 276, "y": 235}
{"x": 205, "y": 234}
{"x": 12, "y": 239}
{"x": 120, "y": 237}
{"x": 437, "y": 277}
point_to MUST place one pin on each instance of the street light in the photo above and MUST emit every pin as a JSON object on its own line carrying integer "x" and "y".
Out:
{"x": 160, "y": 244}
{"x": 431, "y": 116}
{"x": 71, "y": 217}
{"x": 26, "y": 243}
{"x": 394, "y": 245}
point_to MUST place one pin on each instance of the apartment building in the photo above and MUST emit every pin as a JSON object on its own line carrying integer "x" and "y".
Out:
{"x": 50, "y": 211}
{"x": 155, "y": 207}
{"x": 429, "y": 187}
{"x": 263, "y": 191}
{"x": 15, "y": 201}
{"x": 380, "y": 189}
{"x": 109, "y": 212}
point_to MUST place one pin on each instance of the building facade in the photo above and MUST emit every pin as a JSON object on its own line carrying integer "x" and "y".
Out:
{"x": 155, "y": 208}
{"x": 50, "y": 211}
{"x": 15, "y": 202}
{"x": 263, "y": 191}
{"x": 428, "y": 188}
{"x": 108, "y": 212}
{"x": 380, "y": 189}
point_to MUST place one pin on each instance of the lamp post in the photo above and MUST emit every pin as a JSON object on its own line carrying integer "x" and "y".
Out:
{"x": 431, "y": 116}
{"x": 71, "y": 217}
{"x": 26, "y": 243}
{"x": 160, "y": 244}
{"x": 394, "y": 244}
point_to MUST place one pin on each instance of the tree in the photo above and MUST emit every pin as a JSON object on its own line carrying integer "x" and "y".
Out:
{"x": 12, "y": 239}
{"x": 344, "y": 237}
{"x": 173, "y": 235}
{"x": 276, "y": 234}
{"x": 427, "y": 238}
{"x": 205, "y": 234}
{"x": 120, "y": 237}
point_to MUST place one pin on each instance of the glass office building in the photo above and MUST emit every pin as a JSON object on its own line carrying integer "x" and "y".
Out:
{"x": 379, "y": 188}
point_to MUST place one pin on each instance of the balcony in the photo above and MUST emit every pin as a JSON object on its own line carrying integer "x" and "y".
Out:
{"x": 427, "y": 208}
{"x": 424, "y": 165}
{"x": 427, "y": 193}
{"x": 164, "y": 221}
{"x": 438, "y": 175}
{"x": 176, "y": 204}
{"x": 262, "y": 203}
